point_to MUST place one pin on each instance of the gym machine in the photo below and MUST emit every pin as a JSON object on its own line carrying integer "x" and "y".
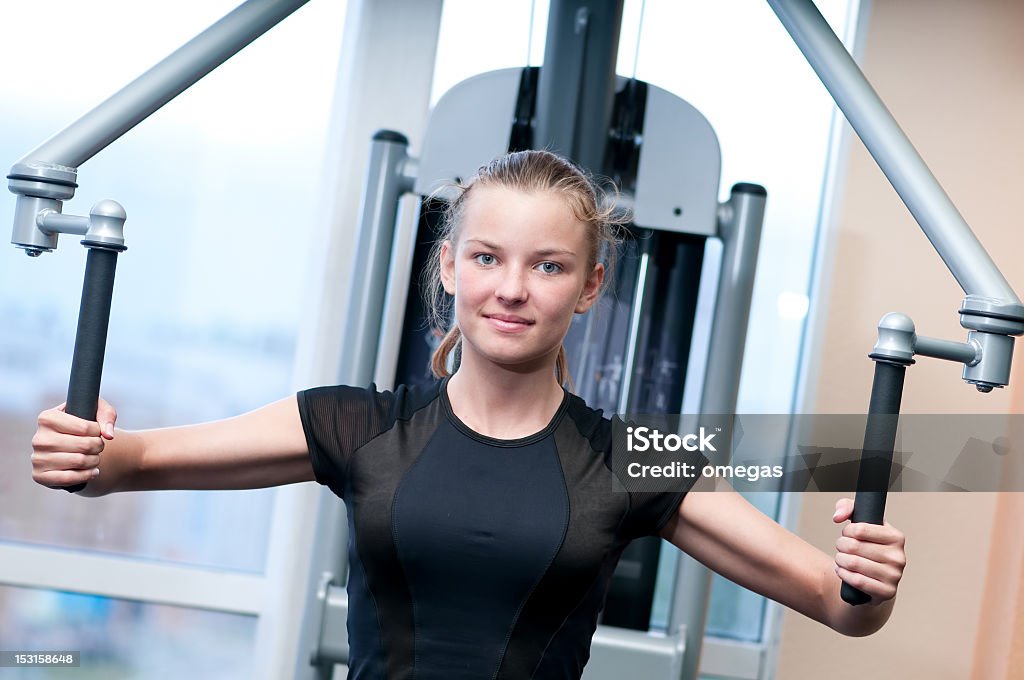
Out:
{"x": 576, "y": 105}
{"x": 630, "y": 355}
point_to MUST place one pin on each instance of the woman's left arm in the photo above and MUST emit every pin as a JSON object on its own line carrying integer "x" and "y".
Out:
{"x": 723, "y": 531}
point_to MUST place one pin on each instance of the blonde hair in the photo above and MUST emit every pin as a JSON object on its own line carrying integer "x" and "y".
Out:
{"x": 526, "y": 171}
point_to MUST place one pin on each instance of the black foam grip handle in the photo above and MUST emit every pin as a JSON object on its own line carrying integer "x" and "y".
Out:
{"x": 876, "y": 460}
{"x": 91, "y": 340}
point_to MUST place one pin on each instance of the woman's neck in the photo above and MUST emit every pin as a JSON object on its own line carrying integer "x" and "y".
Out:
{"x": 502, "y": 403}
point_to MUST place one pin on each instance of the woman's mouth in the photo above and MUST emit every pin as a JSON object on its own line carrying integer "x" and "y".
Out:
{"x": 508, "y": 322}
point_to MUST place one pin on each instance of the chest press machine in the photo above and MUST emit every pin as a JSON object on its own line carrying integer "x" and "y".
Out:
{"x": 632, "y": 356}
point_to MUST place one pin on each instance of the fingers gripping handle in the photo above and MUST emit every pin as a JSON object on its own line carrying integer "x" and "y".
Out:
{"x": 876, "y": 460}
{"x": 91, "y": 340}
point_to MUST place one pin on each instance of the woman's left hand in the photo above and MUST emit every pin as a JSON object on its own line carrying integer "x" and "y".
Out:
{"x": 870, "y": 557}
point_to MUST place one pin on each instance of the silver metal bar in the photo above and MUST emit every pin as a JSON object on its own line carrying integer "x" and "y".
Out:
{"x": 329, "y": 563}
{"x": 956, "y": 244}
{"x": 91, "y": 133}
{"x": 962, "y": 352}
{"x": 385, "y": 183}
{"x": 741, "y": 238}
{"x": 576, "y": 90}
{"x": 636, "y": 314}
{"x": 53, "y": 222}
{"x": 689, "y": 608}
{"x": 740, "y": 230}
{"x": 332, "y": 646}
{"x": 399, "y": 279}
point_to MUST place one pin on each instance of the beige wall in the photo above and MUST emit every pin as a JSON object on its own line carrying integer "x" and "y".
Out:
{"x": 952, "y": 73}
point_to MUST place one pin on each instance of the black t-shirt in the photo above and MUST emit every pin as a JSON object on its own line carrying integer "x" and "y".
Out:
{"x": 472, "y": 557}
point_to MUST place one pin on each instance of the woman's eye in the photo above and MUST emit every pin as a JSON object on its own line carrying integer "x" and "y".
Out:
{"x": 484, "y": 258}
{"x": 550, "y": 267}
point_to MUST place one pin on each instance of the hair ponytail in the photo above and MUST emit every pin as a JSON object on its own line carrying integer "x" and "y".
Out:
{"x": 562, "y": 369}
{"x": 439, "y": 359}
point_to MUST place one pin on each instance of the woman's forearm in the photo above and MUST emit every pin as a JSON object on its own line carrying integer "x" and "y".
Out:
{"x": 119, "y": 464}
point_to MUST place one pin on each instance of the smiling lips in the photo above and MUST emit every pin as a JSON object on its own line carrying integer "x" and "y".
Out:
{"x": 508, "y": 322}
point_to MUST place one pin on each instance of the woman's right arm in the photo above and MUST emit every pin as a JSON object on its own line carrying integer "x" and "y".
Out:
{"x": 265, "y": 447}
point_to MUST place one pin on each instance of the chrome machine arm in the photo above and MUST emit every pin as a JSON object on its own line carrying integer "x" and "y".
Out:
{"x": 991, "y": 311}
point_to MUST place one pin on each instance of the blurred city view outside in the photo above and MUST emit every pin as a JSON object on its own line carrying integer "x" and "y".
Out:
{"x": 155, "y": 379}
{"x": 219, "y": 187}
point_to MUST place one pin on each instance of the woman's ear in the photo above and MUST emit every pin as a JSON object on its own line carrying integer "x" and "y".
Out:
{"x": 447, "y": 257}
{"x": 591, "y": 289}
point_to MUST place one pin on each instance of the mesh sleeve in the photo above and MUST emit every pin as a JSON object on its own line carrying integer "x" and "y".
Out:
{"x": 337, "y": 421}
{"x": 650, "y": 511}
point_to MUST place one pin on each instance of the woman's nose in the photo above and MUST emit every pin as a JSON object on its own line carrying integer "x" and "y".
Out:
{"x": 512, "y": 286}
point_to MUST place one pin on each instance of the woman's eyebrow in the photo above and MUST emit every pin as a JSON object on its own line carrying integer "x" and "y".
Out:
{"x": 543, "y": 252}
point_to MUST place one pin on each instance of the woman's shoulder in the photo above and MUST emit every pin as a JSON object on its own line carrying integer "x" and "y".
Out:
{"x": 400, "y": 400}
{"x": 579, "y": 404}
{"x": 591, "y": 422}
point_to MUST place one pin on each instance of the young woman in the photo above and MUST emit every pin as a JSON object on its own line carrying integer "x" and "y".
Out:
{"x": 485, "y": 524}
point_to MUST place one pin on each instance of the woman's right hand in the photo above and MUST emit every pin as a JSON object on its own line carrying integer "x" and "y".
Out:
{"x": 66, "y": 449}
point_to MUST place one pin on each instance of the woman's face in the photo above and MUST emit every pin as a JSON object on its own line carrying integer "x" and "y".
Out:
{"x": 519, "y": 271}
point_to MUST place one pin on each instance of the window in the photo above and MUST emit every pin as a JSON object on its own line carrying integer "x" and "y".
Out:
{"x": 125, "y": 639}
{"x": 220, "y": 195}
